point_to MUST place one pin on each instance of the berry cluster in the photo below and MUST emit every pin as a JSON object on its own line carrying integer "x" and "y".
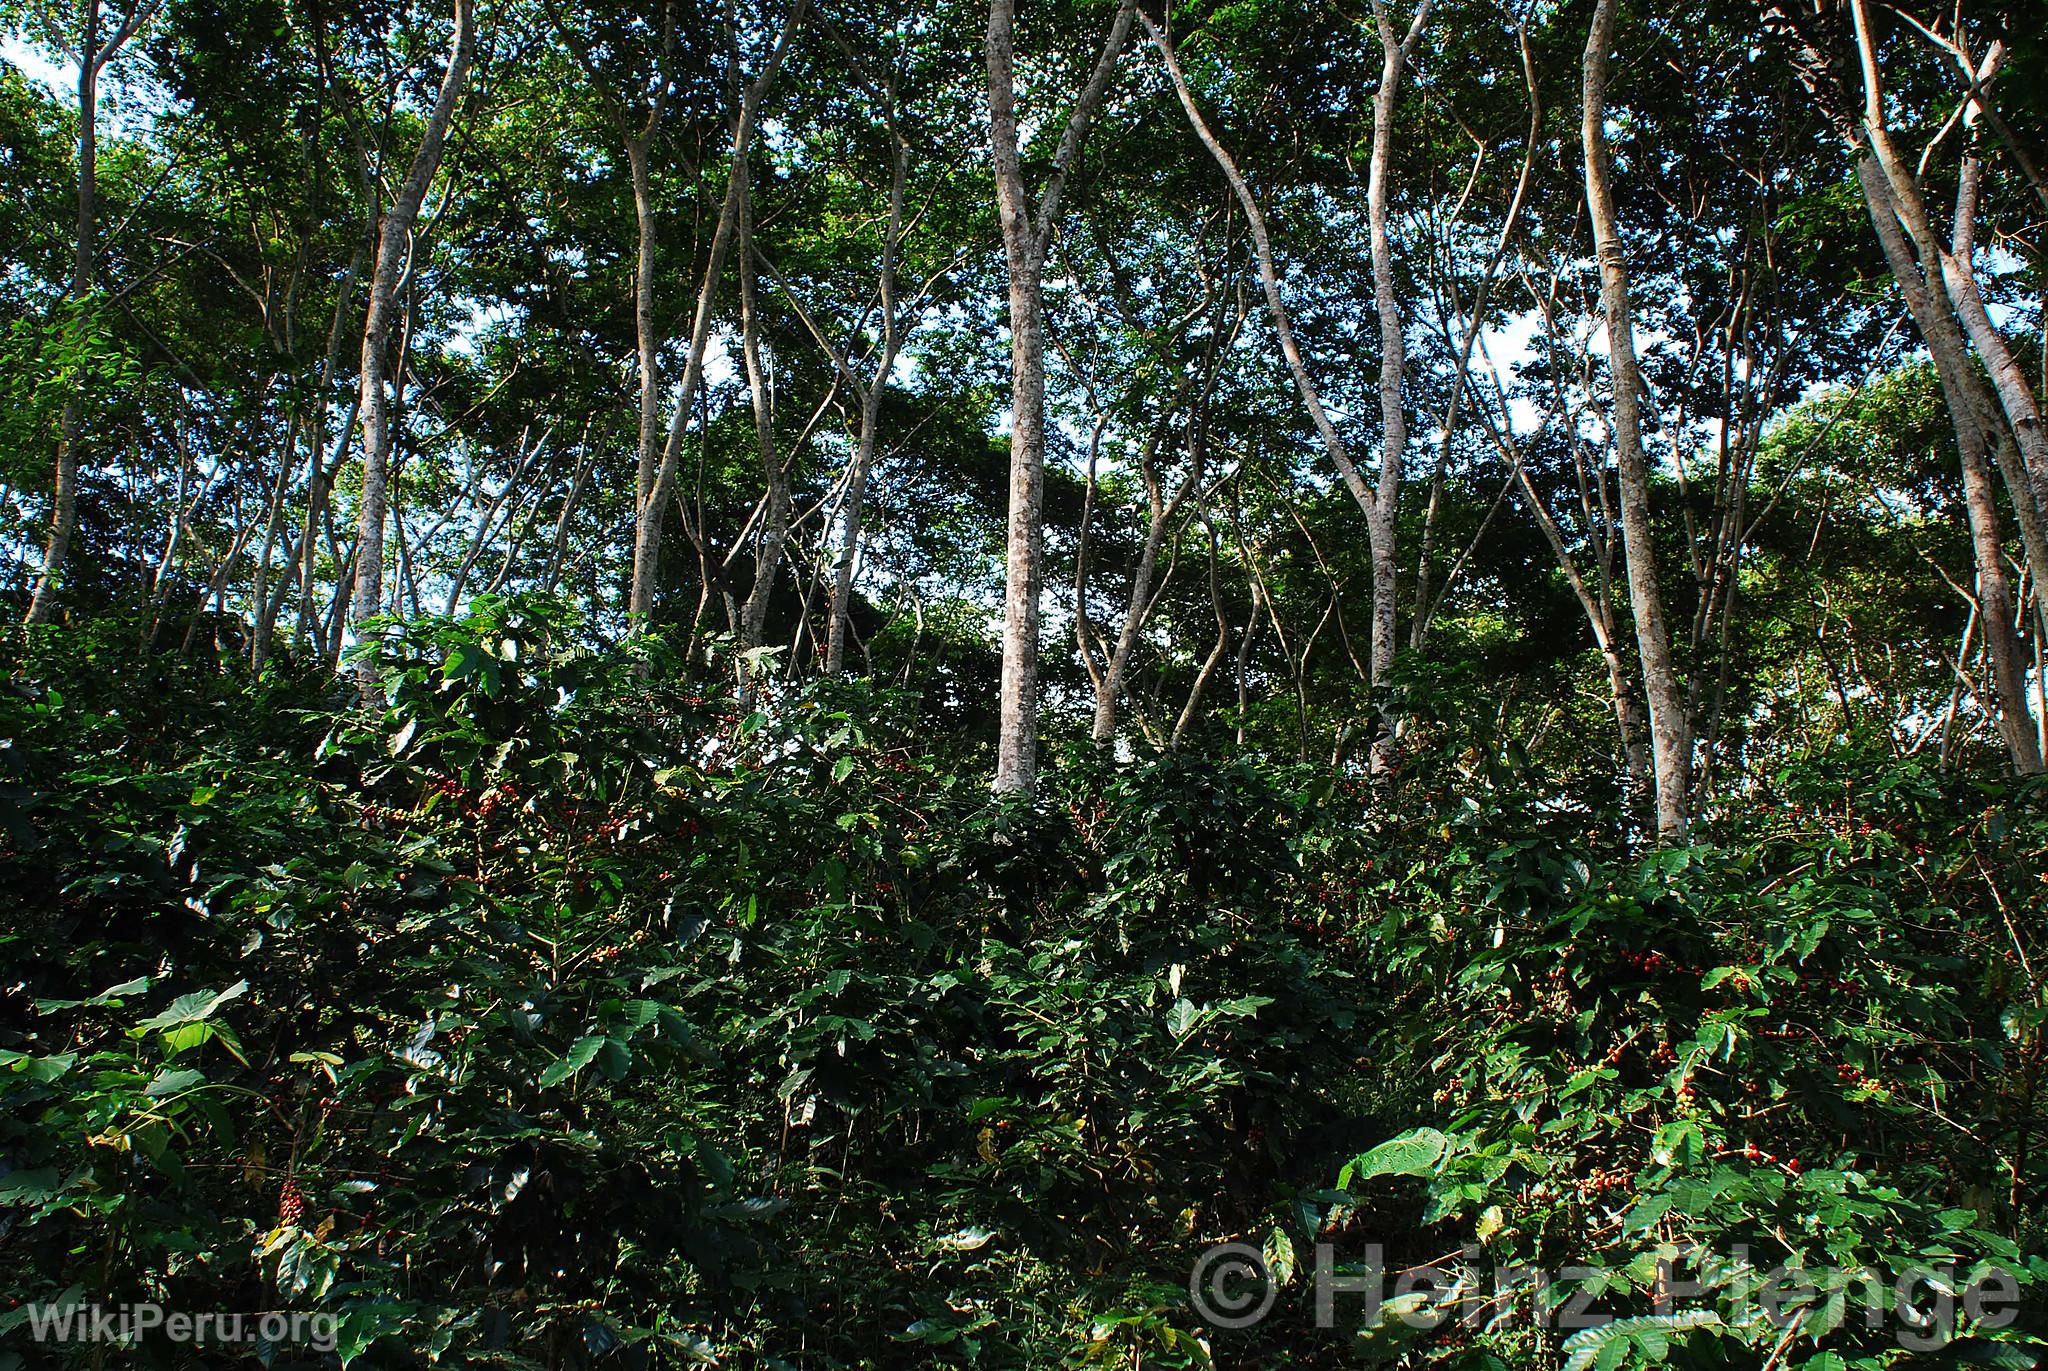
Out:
{"x": 1661, "y": 1055}
{"x": 500, "y": 794}
{"x": 1752, "y": 1153}
{"x": 1603, "y": 1180}
{"x": 290, "y": 1203}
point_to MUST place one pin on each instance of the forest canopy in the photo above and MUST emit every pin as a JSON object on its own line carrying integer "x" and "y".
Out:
{"x": 795, "y": 683}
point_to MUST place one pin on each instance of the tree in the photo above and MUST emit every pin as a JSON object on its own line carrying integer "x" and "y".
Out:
{"x": 394, "y": 253}
{"x": 95, "y": 48}
{"x": 655, "y": 481}
{"x": 1027, "y": 235}
{"x": 1670, "y": 729}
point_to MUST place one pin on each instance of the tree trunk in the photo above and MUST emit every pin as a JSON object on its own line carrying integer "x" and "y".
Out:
{"x": 1954, "y": 261}
{"x": 394, "y": 248}
{"x": 1670, "y": 733}
{"x": 1136, "y": 611}
{"x": 261, "y": 612}
{"x": 1017, "y": 740}
{"x": 1974, "y": 440}
{"x": 1269, "y": 274}
{"x": 1380, "y": 519}
{"x": 1024, "y": 249}
{"x": 647, "y": 449}
{"x": 854, "y": 497}
{"x": 2027, "y": 479}
{"x": 775, "y": 512}
{"x": 42, "y": 605}
{"x": 654, "y": 494}
{"x": 1208, "y": 667}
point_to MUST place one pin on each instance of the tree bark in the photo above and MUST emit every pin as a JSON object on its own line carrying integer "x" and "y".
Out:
{"x": 1380, "y": 519}
{"x": 1269, "y": 275}
{"x": 1193, "y": 704}
{"x": 647, "y": 343}
{"x": 1974, "y": 440}
{"x": 1378, "y": 505}
{"x": 1024, "y": 247}
{"x": 1670, "y": 731}
{"x": 394, "y": 247}
{"x": 2028, "y": 482}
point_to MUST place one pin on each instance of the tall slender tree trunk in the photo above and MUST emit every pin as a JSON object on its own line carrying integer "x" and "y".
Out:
{"x": 647, "y": 342}
{"x": 1975, "y": 439}
{"x": 1193, "y": 704}
{"x": 1670, "y": 731}
{"x": 1377, "y": 504}
{"x": 42, "y": 605}
{"x": 775, "y": 510}
{"x": 1017, "y": 740}
{"x": 1596, "y": 599}
{"x": 1953, "y": 264}
{"x": 394, "y": 248}
{"x": 1103, "y": 728}
{"x": 318, "y": 462}
{"x": 1381, "y": 517}
{"x": 262, "y": 611}
{"x": 854, "y": 498}
{"x": 1025, "y": 241}
{"x": 654, "y": 491}
{"x": 2025, "y": 469}
{"x": 1138, "y": 608}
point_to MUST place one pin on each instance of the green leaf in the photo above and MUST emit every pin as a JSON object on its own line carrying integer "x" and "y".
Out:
{"x": 1278, "y": 1255}
{"x": 197, "y": 1007}
{"x": 574, "y": 1060}
{"x": 1607, "y": 1346}
{"x": 185, "y": 1037}
{"x": 462, "y": 662}
{"x": 29, "y": 1187}
{"x": 169, "y": 1082}
{"x": 613, "y": 1059}
{"x": 1414, "y": 1153}
{"x": 44, "y": 1069}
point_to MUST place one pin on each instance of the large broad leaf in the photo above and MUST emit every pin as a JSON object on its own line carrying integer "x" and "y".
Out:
{"x": 1414, "y": 1153}
{"x": 168, "y": 1082}
{"x": 197, "y": 1007}
{"x": 464, "y": 661}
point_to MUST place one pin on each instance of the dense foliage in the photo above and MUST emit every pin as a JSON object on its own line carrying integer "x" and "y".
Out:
{"x": 564, "y": 1014}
